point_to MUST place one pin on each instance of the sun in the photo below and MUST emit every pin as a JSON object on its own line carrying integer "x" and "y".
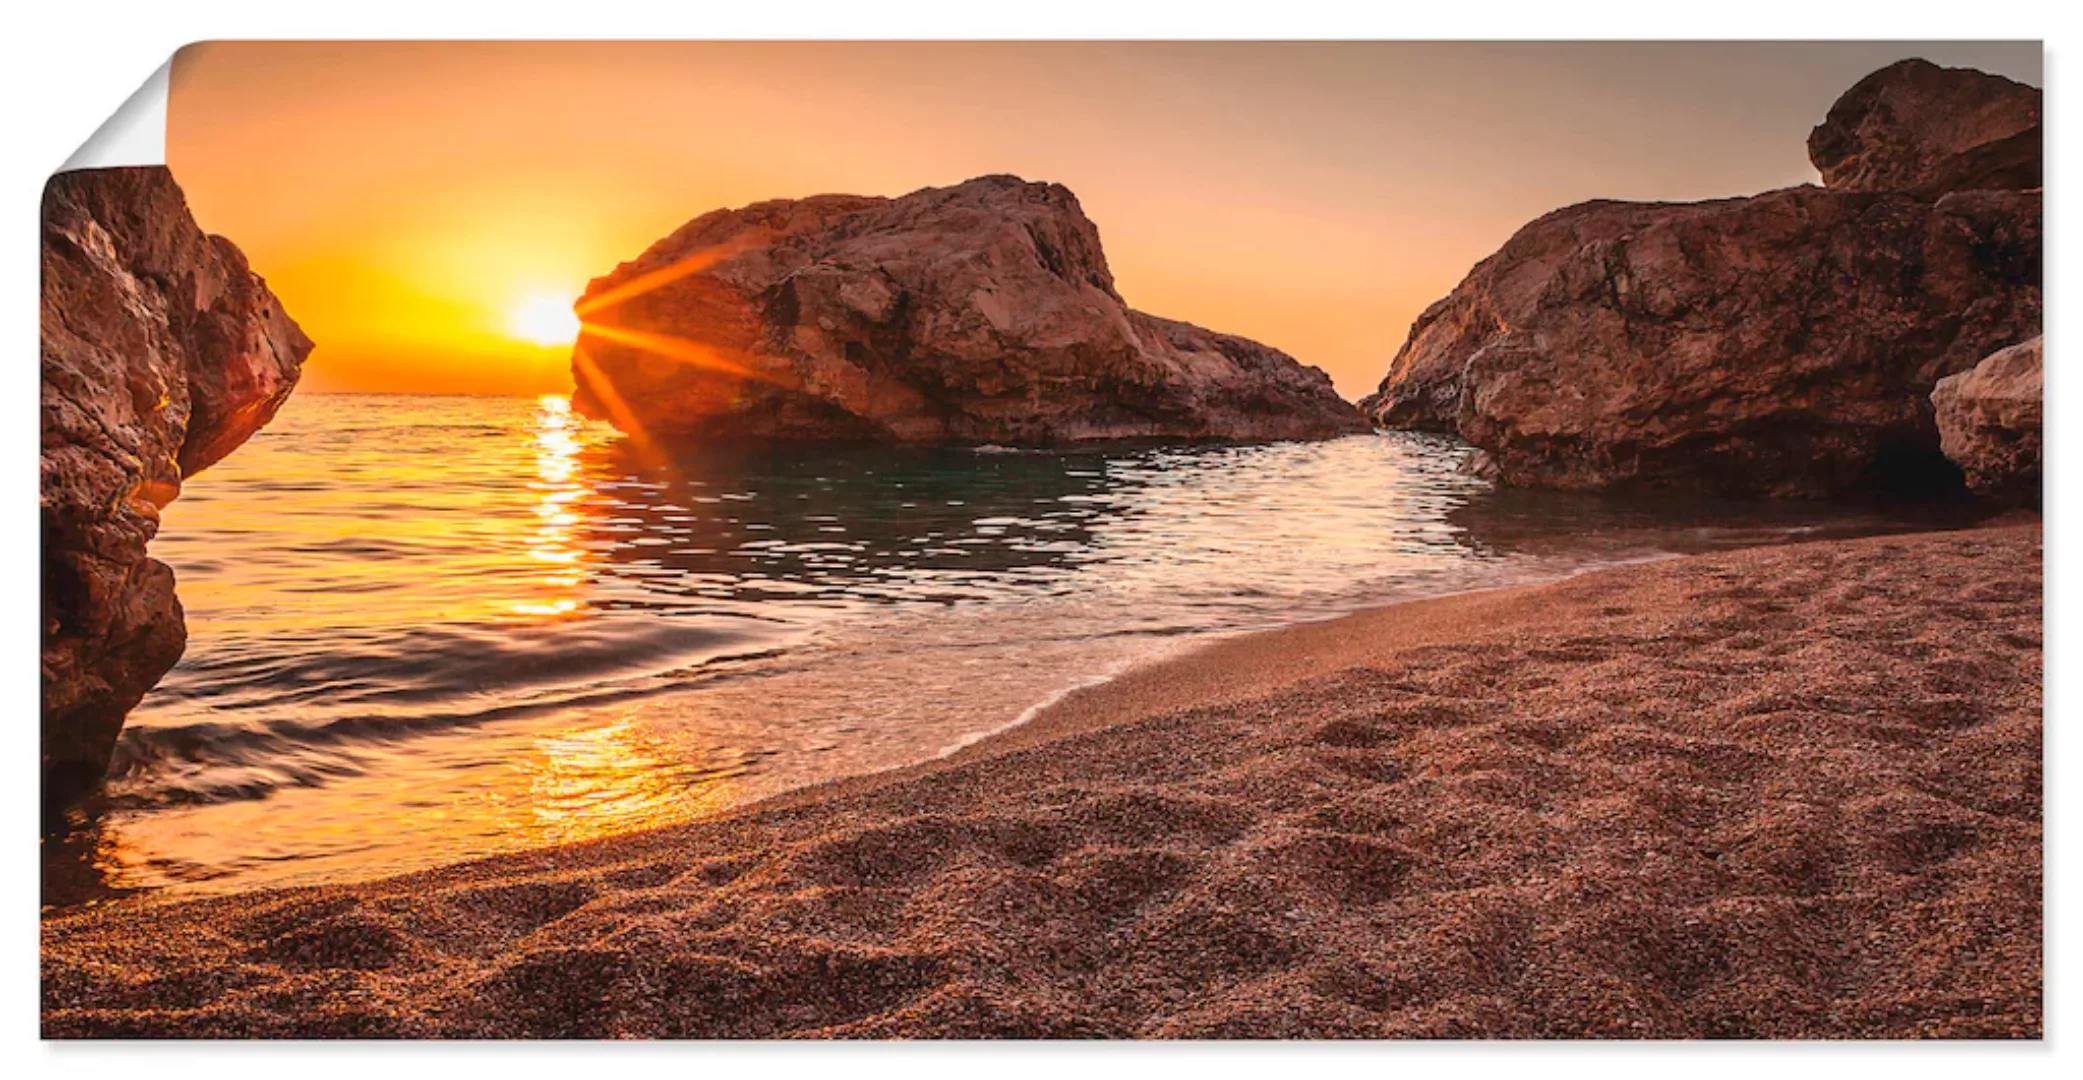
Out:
{"x": 545, "y": 319}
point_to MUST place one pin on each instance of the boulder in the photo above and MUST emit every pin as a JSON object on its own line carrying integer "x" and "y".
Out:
{"x": 1781, "y": 345}
{"x": 1989, "y": 423}
{"x": 979, "y": 313}
{"x": 162, "y": 352}
{"x": 1914, "y": 126}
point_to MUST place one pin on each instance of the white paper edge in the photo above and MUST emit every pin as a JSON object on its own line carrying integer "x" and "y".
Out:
{"x": 135, "y": 134}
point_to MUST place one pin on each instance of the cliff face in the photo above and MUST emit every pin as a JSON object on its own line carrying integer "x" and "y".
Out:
{"x": 162, "y": 352}
{"x": 982, "y": 312}
{"x": 1783, "y": 345}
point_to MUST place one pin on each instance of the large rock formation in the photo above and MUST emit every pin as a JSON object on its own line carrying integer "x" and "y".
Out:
{"x": 1914, "y": 126}
{"x": 1989, "y": 423}
{"x": 1781, "y": 345}
{"x": 161, "y": 353}
{"x": 982, "y": 312}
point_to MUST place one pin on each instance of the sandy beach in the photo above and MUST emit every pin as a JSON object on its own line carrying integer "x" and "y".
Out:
{"x": 1789, "y": 792}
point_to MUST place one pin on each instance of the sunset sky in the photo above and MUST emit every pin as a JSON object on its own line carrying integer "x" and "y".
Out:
{"x": 423, "y": 209}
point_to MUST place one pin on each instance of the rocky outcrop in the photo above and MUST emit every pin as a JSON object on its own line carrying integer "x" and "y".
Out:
{"x": 1989, "y": 423}
{"x": 1780, "y": 345}
{"x": 1916, "y": 127}
{"x": 162, "y": 352}
{"x": 978, "y": 313}
{"x": 1422, "y": 390}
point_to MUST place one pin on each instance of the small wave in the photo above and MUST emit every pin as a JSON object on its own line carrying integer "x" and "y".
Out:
{"x": 424, "y": 666}
{"x": 214, "y": 760}
{"x": 1026, "y": 715}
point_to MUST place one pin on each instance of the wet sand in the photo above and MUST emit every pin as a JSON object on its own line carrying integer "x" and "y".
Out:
{"x": 1785, "y": 792}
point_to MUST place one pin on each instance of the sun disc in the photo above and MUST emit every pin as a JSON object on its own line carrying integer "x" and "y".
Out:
{"x": 544, "y": 319}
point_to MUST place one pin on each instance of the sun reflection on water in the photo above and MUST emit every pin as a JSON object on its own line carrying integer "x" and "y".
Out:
{"x": 509, "y": 519}
{"x": 558, "y": 486}
{"x": 595, "y": 780}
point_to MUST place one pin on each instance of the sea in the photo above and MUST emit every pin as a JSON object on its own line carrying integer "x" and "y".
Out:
{"x": 428, "y": 629}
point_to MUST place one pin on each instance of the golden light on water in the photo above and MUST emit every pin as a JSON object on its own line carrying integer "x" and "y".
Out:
{"x": 553, "y": 543}
{"x": 600, "y": 779}
{"x": 498, "y": 535}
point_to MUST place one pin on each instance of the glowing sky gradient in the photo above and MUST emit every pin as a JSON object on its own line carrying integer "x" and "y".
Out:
{"x": 412, "y": 203}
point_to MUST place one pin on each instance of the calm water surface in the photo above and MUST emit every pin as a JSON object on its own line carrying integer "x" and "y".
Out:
{"x": 426, "y": 629}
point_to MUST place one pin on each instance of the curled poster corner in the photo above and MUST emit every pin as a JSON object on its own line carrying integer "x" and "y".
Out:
{"x": 135, "y": 134}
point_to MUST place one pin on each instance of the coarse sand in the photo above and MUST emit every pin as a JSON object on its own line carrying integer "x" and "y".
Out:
{"x": 1783, "y": 792}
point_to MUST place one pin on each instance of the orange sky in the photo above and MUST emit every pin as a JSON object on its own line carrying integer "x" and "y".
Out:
{"x": 406, "y": 199}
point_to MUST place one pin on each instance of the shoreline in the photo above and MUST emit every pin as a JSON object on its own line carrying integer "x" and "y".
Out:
{"x": 1206, "y": 793}
{"x": 1163, "y": 650}
{"x": 1172, "y": 650}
